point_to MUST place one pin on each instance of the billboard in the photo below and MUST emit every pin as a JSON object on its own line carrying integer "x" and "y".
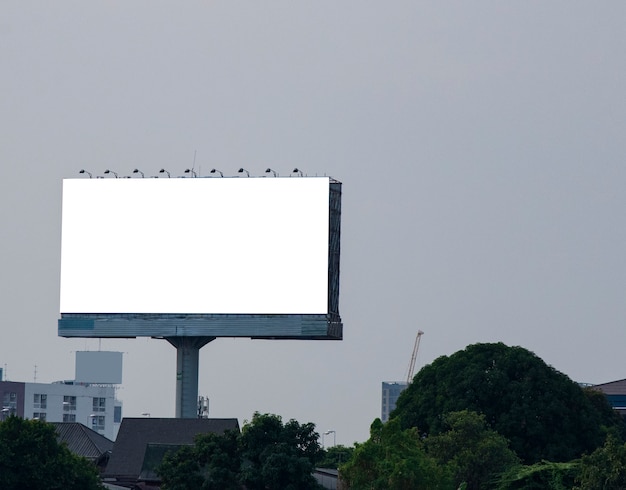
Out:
{"x": 172, "y": 255}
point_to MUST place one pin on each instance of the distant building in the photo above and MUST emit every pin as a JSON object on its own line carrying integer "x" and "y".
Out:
{"x": 615, "y": 392}
{"x": 89, "y": 400}
{"x": 391, "y": 392}
{"x": 64, "y": 401}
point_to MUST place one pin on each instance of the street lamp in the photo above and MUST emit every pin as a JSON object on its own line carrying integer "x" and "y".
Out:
{"x": 328, "y": 432}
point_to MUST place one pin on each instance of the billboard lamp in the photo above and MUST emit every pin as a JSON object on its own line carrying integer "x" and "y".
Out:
{"x": 83, "y": 171}
{"x": 213, "y": 170}
{"x": 163, "y": 171}
{"x": 137, "y": 171}
{"x": 268, "y": 170}
{"x": 191, "y": 171}
{"x": 107, "y": 171}
{"x": 242, "y": 170}
{"x": 297, "y": 171}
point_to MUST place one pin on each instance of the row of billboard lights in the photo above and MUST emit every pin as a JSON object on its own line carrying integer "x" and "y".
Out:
{"x": 190, "y": 171}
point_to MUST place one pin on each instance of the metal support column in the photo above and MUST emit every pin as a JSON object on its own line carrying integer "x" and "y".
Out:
{"x": 187, "y": 362}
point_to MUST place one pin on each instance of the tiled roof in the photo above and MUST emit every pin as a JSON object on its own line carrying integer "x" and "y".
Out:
{"x": 136, "y": 433}
{"x": 81, "y": 440}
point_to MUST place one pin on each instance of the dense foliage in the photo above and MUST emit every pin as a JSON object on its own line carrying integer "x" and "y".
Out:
{"x": 540, "y": 476}
{"x": 475, "y": 454}
{"x": 605, "y": 468}
{"x": 267, "y": 455}
{"x": 335, "y": 456}
{"x": 394, "y": 459}
{"x": 543, "y": 414}
{"x": 32, "y": 457}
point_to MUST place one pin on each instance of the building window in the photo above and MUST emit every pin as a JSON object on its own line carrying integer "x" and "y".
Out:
{"x": 99, "y": 404}
{"x": 97, "y": 422}
{"x": 9, "y": 403}
{"x": 69, "y": 417}
{"x": 39, "y": 416}
{"x": 9, "y": 399}
{"x": 69, "y": 403}
{"x": 117, "y": 415}
{"x": 40, "y": 400}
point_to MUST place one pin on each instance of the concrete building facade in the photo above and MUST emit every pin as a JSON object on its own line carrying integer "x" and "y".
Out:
{"x": 390, "y": 392}
{"x": 64, "y": 401}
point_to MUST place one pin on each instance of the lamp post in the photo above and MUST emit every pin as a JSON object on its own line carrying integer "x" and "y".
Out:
{"x": 328, "y": 432}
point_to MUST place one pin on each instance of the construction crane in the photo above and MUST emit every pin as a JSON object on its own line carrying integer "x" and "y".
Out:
{"x": 416, "y": 347}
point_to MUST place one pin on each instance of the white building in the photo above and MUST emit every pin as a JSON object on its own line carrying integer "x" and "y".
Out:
{"x": 90, "y": 399}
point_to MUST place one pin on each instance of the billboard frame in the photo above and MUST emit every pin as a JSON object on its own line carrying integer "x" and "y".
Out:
{"x": 256, "y": 326}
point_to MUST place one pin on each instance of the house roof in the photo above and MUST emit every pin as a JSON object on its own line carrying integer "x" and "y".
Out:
{"x": 81, "y": 440}
{"x": 136, "y": 433}
{"x": 613, "y": 387}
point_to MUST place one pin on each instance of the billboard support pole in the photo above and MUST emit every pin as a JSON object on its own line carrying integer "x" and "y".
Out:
{"x": 187, "y": 364}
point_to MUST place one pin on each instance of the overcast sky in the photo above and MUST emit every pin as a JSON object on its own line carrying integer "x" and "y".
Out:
{"x": 480, "y": 145}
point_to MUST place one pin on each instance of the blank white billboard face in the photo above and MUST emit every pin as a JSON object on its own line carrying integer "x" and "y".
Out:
{"x": 195, "y": 245}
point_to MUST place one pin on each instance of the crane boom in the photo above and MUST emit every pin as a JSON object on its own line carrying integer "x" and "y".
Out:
{"x": 416, "y": 347}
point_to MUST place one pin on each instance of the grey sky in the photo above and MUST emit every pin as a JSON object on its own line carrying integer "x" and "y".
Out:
{"x": 481, "y": 146}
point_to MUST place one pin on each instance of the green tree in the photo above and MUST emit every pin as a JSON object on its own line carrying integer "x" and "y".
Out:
{"x": 32, "y": 457}
{"x": 605, "y": 468}
{"x": 475, "y": 453}
{"x": 212, "y": 463}
{"x": 276, "y": 456}
{"x": 540, "y": 476}
{"x": 335, "y": 456}
{"x": 393, "y": 459}
{"x": 544, "y": 414}
{"x": 267, "y": 455}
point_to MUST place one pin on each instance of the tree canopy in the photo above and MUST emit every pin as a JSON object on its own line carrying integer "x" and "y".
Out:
{"x": 544, "y": 414}
{"x": 335, "y": 456}
{"x": 394, "y": 459}
{"x": 267, "y": 455}
{"x": 604, "y": 468}
{"x": 32, "y": 457}
{"x": 475, "y": 454}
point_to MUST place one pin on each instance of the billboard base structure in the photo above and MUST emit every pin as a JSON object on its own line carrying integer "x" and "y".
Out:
{"x": 187, "y": 366}
{"x": 189, "y": 333}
